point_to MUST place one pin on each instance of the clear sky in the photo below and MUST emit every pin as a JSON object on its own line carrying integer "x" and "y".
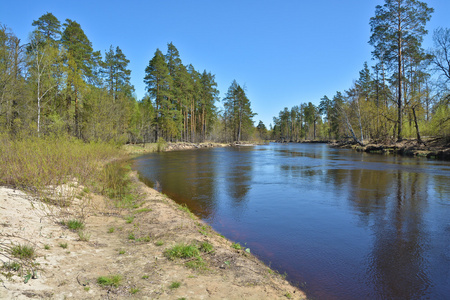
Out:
{"x": 284, "y": 52}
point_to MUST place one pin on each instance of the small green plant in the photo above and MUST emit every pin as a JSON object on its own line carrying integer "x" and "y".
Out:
{"x": 12, "y": 266}
{"x": 86, "y": 190}
{"x": 206, "y": 247}
{"x": 197, "y": 264}
{"x": 186, "y": 209}
{"x": 145, "y": 277}
{"x": 129, "y": 219}
{"x": 175, "y": 285}
{"x": 131, "y": 236}
{"x": 86, "y": 288}
{"x": 144, "y": 239}
{"x": 142, "y": 210}
{"x": 288, "y": 295}
{"x": 182, "y": 251}
{"x": 111, "y": 229}
{"x": 159, "y": 243}
{"x": 23, "y": 251}
{"x": 75, "y": 224}
{"x": 47, "y": 247}
{"x": 121, "y": 252}
{"x": 236, "y": 246}
{"x": 84, "y": 236}
{"x": 134, "y": 290}
{"x": 63, "y": 245}
{"x": 111, "y": 280}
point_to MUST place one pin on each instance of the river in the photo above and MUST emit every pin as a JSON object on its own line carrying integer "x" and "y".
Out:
{"x": 340, "y": 224}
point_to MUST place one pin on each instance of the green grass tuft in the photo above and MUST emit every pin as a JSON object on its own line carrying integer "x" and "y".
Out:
{"x": 75, "y": 224}
{"x": 111, "y": 280}
{"x": 175, "y": 285}
{"x": 182, "y": 251}
{"x": 23, "y": 251}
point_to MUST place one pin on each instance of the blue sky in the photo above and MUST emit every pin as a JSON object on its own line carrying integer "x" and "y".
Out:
{"x": 284, "y": 52}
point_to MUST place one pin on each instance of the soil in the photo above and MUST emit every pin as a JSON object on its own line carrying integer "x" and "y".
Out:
{"x": 130, "y": 247}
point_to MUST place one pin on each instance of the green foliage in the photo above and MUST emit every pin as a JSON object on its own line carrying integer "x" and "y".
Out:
{"x": 12, "y": 266}
{"x": 23, "y": 251}
{"x": 236, "y": 246}
{"x": 75, "y": 224}
{"x": 206, "y": 247}
{"x": 63, "y": 245}
{"x": 175, "y": 285}
{"x": 182, "y": 251}
{"x": 111, "y": 280}
{"x": 134, "y": 291}
{"x": 161, "y": 145}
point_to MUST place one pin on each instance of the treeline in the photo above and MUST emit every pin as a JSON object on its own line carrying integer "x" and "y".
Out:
{"x": 56, "y": 84}
{"x": 405, "y": 93}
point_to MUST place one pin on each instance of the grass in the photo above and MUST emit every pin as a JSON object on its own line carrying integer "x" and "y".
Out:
{"x": 75, "y": 224}
{"x": 206, "y": 247}
{"x": 236, "y": 246}
{"x": 111, "y": 229}
{"x": 159, "y": 243}
{"x": 131, "y": 236}
{"x": 182, "y": 251}
{"x": 134, "y": 291}
{"x": 121, "y": 252}
{"x": 197, "y": 264}
{"x": 47, "y": 247}
{"x": 23, "y": 251}
{"x": 35, "y": 164}
{"x": 186, "y": 209}
{"x": 12, "y": 266}
{"x": 142, "y": 210}
{"x": 191, "y": 252}
{"x": 129, "y": 219}
{"x": 84, "y": 236}
{"x": 63, "y": 245}
{"x": 145, "y": 276}
{"x": 111, "y": 280}
{"x": 175, "y": 285}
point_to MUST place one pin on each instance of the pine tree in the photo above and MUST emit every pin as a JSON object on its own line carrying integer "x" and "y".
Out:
{"x": 397, "y": 31}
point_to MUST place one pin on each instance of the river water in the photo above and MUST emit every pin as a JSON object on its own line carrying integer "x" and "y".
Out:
{"x": 340, "y": 224}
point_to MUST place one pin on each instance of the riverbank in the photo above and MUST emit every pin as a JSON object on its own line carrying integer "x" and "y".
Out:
{"x": 134, "y": 247}
{"x": 431, "y": 148}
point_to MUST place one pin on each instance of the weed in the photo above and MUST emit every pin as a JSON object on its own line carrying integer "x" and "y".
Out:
{"x": 23, "y": 251}
{"x": 134, "y": 290}
{"x": 63, "y": 245}
{"x": 111, "y": 280}
{"x": 198, "y": 264}
{"x": 111, "y": 230}
{"x": 86, "y": 288}
{"x": 47, "y": 247}
{"x": 121, "y": 252}
{"x": 86, "y": 190}
{"x": 129, "y": 219}
{"x": 12, "y": 266}
{"x": 159, "y": 243}
{"x": 236, "y": 246}
{"x": 142, "y": 210}
{"x": 206, "y": 247}
{"x": 175, "y": 285}
{"x": 288, "y": 295}
{"x": 84, "y": 236}
{"x": 145, "y": 277}
{"x": 182, "y": 251}
{"x": 75, "y": 224}
{"x": 131, "y": 236}
{"x": 144, "y": 239}
{"x": 186, "y": 209}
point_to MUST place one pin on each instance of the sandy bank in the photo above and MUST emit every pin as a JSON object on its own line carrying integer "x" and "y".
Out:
{"x": 129, "y": 243}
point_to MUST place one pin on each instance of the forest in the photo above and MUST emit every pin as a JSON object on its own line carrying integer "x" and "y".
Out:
{"x": 405, "y": 94}
{"x": 57, "y": 84}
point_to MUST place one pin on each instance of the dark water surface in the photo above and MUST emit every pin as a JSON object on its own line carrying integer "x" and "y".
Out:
{"x": 343, "y": 225}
